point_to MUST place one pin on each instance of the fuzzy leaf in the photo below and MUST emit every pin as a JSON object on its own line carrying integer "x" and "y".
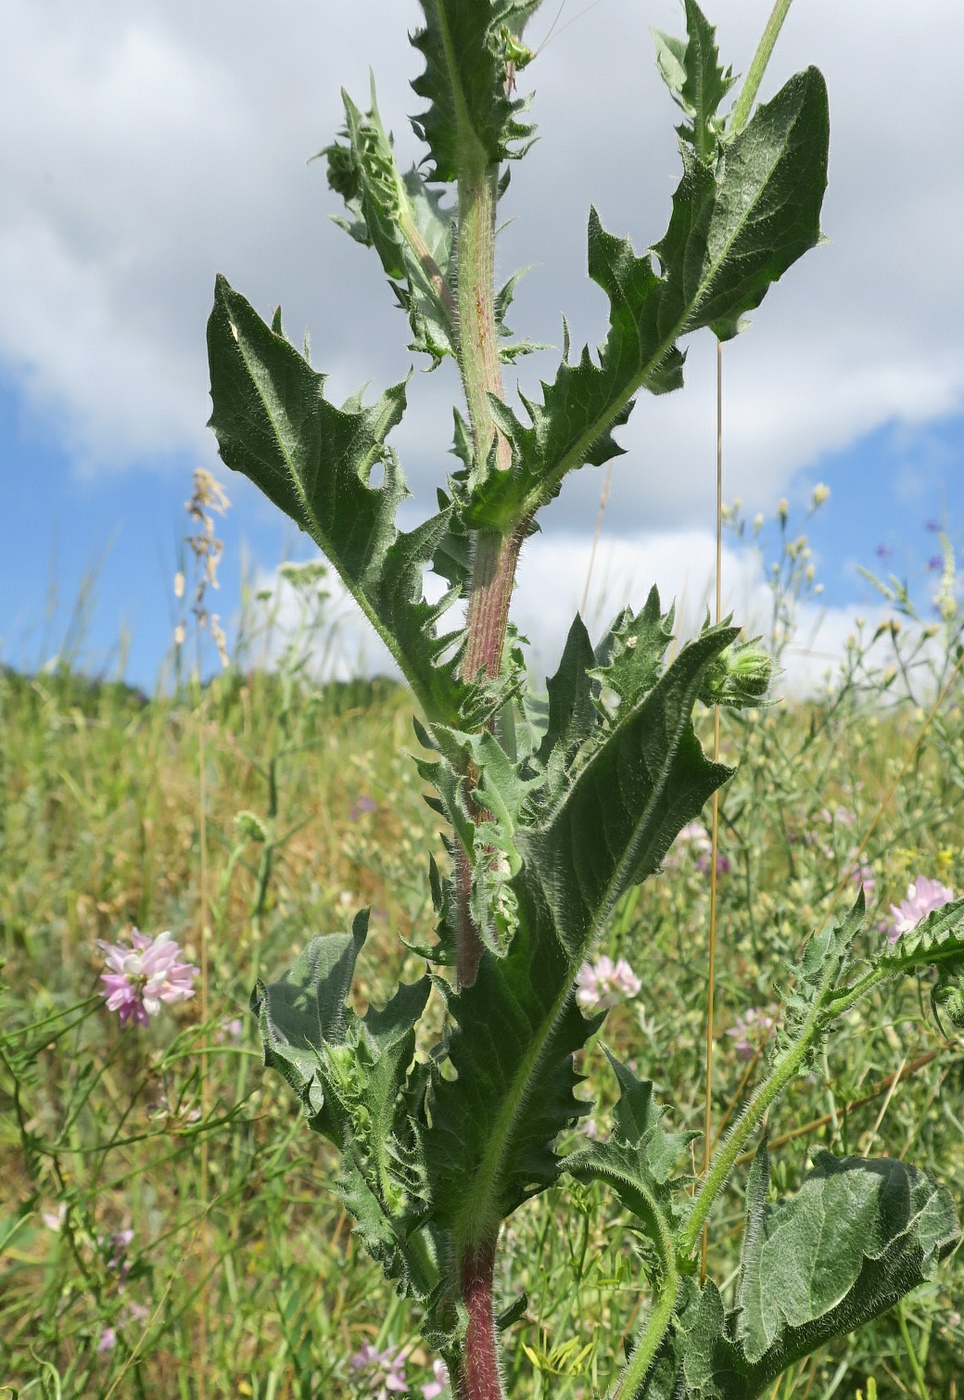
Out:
{"x": 404, "y": 221}
{"x": 315, "y": 461}
{"x": 937, "y": 941}
{"x": 692, "y": 72}
{"x": 472, "y": 117}
{"x": 739, "y": 224}
{"x": 824, "y": 961}
{"x": 572, "y": 715}
{"x": 490, "y": 1146}
{"x": 485, "y": 817}
{"x": 859, "y": 1235}
{"x": 516, "y": 1027}
{"x": 736, "y": 227}
{"x": 645, "y": 780}
{"x": 637, "y": 1160}
{"x": 350, "y": 1073}
{"x": 630, "y": 656}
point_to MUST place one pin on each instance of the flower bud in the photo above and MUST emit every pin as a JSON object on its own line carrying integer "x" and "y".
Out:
{"x": 821, "y": 493}
{"x": 739, "y": 676}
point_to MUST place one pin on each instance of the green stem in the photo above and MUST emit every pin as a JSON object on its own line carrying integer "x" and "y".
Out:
{"x": 741, "y": 112}
{"x": 912, "y": 1354}
{"x": 726, "y": 1156}
{"x": 644, "y": 1352}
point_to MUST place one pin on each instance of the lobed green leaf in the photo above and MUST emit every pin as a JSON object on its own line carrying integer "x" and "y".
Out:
{"x": 352, "y": 1075}
{"x": 692, "y": 72}
{"x": 472, "y": 120}
{"x": 736, "y": 226}
{"x": 315, "y": 460}
{"x": 404, "y": 220}
{"x": 646, "y": 778}
{"x": 637, "y": 1160}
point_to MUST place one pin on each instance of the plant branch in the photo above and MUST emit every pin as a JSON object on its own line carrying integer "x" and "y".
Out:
{"x": 741, "y": 111}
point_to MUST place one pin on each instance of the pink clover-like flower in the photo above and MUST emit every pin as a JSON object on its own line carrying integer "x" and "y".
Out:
{"x": 923, "y": 896}
{"x": 386, "y": 1370}
{"x": 143, "y": 978}
{"x": 753, "y": 1029}
{"x": 436, "y": 1387}
{"x": 604, "y": 982}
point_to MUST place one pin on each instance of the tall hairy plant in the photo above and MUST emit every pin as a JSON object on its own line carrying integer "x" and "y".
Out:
{"x": 554, "y": 811}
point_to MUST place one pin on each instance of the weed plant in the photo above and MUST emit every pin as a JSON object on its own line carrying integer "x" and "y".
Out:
{"x": 314, "y": 809}
{"x": 169, "y": 1226}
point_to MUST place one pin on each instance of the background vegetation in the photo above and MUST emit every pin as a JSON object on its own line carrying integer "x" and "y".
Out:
{"x": 167, "y": 1226}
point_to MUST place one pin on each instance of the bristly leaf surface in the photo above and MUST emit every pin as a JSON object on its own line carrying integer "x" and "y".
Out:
{"x": 315, "y": 461}
{"x": 517, "y": 1026}
{"x": 471, "y": 114}
{"x": 404, "y": 220}
{"x": 351, "y": 1074}
{"x": 637, "y": 1161}
{"x": 736, "y": 226}
{"x": 858, "y": 1236}
{"x": 698, "y": 84}
{"x": 612, "y": 827}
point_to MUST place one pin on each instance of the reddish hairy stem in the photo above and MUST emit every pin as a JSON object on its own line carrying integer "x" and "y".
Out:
{"x": 493, "y": 576}
{"x": 480, "y": 1378}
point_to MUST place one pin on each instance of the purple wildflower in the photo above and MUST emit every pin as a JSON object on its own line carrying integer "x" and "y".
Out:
{"x": 108, "y": 1340}
{"x": 752, "y": 1030}
{"x": 923, "y": 896}
{"x": 119, "y": 1242}
{"x": 883, "y": 551}
{"x": 862, "y": 874}
{"x": 140, "y": 978}
{"x": 364, "y": 805}
{"x": 605, "y": 982}
{"x": 437, "y": 1386}
{"x": 230, "y": 1030}
{"x": 723, "y": 864}
{"x": 386, "y": 1369}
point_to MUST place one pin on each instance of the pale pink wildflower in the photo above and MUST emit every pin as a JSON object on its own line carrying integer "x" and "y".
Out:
{"x": 53, "y": 1219}
{"x": 108, "y": 1340}
{"x": 604, "y": 983}
{"x": 437, "y": 1386}
{"x": 923, "y": 896}
{"x": 140, "y": 979}
{"x": 386, "y": 1370}
{"x": 752, "y": 1030}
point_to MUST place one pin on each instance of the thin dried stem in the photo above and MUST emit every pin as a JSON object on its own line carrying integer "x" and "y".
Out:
{"x": 714, "y": 837}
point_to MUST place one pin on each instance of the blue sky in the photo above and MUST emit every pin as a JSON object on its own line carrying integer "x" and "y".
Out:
{"x": 124, "y": 531}
{"x": 147, "y": 144}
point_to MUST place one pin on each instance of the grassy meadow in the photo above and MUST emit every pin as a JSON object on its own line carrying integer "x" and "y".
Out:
{"x": 167, "y": 1227}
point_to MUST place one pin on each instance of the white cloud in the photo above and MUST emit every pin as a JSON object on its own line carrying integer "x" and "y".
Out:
{"x": 552, "y": 588}
{"x": 144, "y": 145}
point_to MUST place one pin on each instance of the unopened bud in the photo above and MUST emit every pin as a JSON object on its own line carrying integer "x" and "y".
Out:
{"x": 738, "y": 677}
{"x": 250, "y": 827}
{"x": 821, "y": 493}
{"x": 783, "y": 509}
